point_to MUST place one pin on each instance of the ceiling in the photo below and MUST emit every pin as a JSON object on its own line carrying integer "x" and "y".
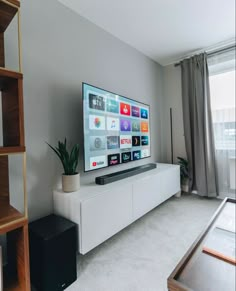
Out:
{"x": 164, "y": 30}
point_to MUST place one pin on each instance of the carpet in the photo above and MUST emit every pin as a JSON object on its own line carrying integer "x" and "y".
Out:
{"x": 142, "y": 256}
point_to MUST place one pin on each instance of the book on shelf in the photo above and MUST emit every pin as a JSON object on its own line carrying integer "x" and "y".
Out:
{"x": 221, "y": 244}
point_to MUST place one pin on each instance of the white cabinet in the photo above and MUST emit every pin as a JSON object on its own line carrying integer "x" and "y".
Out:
{"x": 170, "y": 182}
{"x": 104, "y": 215}
{"x": 146, "y": 195}
{"x": 152, "y": 190}
{"x": 102, "y": 211}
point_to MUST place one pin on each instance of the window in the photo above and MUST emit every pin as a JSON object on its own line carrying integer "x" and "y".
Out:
{"x": 223, "y": 110}
{"x": 222, "y": 87}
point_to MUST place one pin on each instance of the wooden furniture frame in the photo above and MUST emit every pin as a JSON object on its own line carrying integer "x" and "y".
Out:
{"x": 173, "y": 281}
{"x": 13, "y": 223}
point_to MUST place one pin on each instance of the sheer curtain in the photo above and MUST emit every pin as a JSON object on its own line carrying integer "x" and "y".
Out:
{"x": 222, "y": 86}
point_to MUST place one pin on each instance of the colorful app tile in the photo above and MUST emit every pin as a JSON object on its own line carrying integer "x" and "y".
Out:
{"x": 97, "y": 143}
{"x": 112, "y": 106}
{"x": 113, "y": 142}
{"x": 96, "y": 122}
{"x": 135, "y": 125}
{"x": 144, "y": 140}
{"x": 124, "y": 109}
{"x": 96, "y": 102}
{"x": 135, "y": 111}
{"x": 126, "y": 157}
{"x": 113, "y": 124}
{"x": 125, "y": 141}
{"x": 144, "y": 113}
{"x": 136, "y": 141}
{"x": 136, "y": 155}
{"x": 145, "y": 153}
{"x": 113, "y": 159}
{"x": 125, "y": 125}
{"x": 98, "y": 162}
{"x": 144, "y": 126}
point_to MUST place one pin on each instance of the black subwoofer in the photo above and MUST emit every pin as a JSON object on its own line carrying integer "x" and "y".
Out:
{"x": 52, "y": 242}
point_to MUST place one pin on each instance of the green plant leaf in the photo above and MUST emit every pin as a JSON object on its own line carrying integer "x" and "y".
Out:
{"x": 184, "y": 170}
{"x": 69, "y": 161}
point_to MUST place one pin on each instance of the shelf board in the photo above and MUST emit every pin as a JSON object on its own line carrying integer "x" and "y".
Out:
{"x": 9, "y": 74}
{"x": 7, "y": 13}
{"x": 4, "y": 72}
{"x": 8, "y": 214}
{"x": 8, "y": 77}
{"x": 12, "y": 150}
{"x": 14, "y": 2}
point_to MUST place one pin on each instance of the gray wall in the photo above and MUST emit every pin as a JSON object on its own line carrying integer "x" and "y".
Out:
{"x": 60, "y": 50}
{"x": 173, "y": 99}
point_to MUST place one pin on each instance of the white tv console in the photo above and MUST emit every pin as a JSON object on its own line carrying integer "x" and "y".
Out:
{"x": 102, "y": 211}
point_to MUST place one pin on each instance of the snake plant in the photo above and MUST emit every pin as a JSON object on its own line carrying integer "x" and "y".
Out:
{"x": 69, "y": 160}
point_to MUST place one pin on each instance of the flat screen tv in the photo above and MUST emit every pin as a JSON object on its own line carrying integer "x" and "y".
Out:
{"x": 116, "y": 129}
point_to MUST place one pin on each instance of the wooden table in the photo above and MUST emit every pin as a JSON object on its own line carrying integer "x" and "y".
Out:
{"x": 199, "y": 271}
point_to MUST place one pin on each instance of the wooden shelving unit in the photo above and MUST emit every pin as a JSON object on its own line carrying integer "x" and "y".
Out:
{"x": 13, "y": 222}
{"x": 8, "y": 214}
{"x": 7, "y": 13}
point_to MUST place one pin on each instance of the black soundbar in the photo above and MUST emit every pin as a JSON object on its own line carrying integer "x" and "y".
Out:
{"x": 106, "y": 179}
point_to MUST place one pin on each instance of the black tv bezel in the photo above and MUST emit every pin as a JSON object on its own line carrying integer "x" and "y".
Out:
{"x": 84, "y": 83}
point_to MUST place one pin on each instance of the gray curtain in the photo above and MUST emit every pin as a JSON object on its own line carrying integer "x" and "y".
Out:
{"x": 198, "y": 127}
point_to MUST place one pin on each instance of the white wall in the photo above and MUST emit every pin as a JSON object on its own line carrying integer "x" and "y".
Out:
{"x": 173, "y": 99}
{"x": 60, "y": 50}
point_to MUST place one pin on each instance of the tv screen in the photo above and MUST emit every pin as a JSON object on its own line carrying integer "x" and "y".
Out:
{"x": 116, "y": 129}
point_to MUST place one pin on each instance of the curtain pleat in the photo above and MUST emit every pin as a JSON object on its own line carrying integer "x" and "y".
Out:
{"x": 198, "y": 129}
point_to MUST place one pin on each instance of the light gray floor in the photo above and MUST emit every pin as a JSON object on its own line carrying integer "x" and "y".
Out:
{"x": 142, "y": 256}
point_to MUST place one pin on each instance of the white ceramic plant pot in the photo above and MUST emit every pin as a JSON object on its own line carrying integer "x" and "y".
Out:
{"x": 70, "y": 183}
{"x": 185, "y": 188}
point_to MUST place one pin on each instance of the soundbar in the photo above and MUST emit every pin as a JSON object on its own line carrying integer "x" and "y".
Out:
{"x": 106, "y": 179}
